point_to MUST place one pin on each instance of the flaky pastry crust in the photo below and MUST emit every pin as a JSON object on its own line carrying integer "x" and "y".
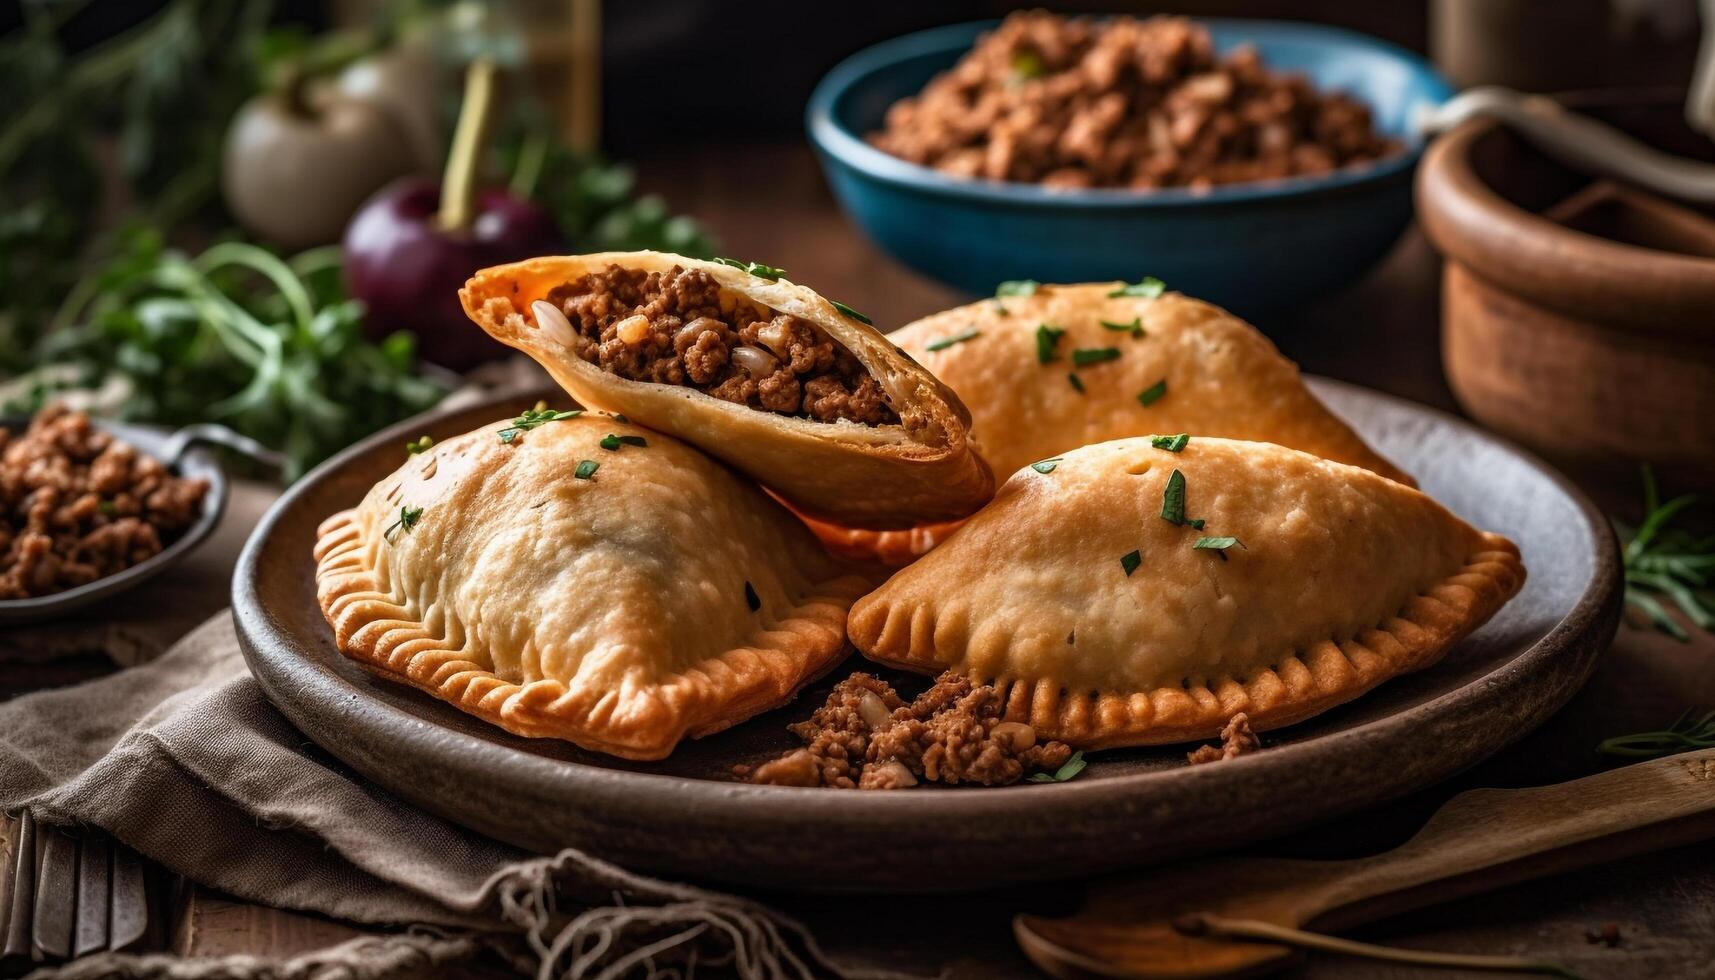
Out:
{"x": 1106, "y": 626}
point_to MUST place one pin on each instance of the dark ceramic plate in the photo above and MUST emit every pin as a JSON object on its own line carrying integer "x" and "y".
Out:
{"x": 686, "y": 816}
{"x": 178, "y": 451}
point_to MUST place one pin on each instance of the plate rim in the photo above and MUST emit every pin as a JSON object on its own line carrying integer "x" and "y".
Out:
{"x": 1591, "y": 619}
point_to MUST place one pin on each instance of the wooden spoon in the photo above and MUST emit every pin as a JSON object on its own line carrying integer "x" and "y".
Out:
{"x": 1479, "y": 840}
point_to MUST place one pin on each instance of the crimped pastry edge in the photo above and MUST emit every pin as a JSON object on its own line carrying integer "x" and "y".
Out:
{"x": 386, "y": 639}
{"x": 1299, "y": 686}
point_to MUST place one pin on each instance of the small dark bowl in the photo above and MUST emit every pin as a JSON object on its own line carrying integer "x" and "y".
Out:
{"x": 192, "y": 461}
{"x": 1249, "y": 247}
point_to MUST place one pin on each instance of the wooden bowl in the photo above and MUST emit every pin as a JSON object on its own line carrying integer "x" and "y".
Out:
{"x": 1578, "y": 317}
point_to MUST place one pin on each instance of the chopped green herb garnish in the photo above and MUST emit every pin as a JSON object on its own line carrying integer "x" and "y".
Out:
{"x": 1148, "y": 287}
{"x": 1218, "y": 545}
{"x": 408, "y": 518}
{"x": 420, "y": 444}
{"x": 620, "y": 418}
{"x": 1135, "y": 327}
{"x": 1172, "y": 444}
{"x": 1195, "y": 524}
{"x": 1073, "y": 766}
{"x": 540, "y": 415}
{"x": 1152, "y": 394}
{"x": 1017, "y": 287}
{"x": 611, "y": 442}
{"x": 1027, "y": 65}
{"x": 1173, "y": 500}
{"x": 1077, "y": 383}
{"x": 848, "y": 311}
{"x": 634, "y": 440}
{"x": 1047, "y": 336}
{"x": 1130, "y": 560}
{"x": 1086, "y": 356}
{"x": 756, "y": 269}
{"x": 958, "y": 338}
{"x": 751, "y": 599}
{"x": 586, "y": 469}
{"x": 1046, "y": 466}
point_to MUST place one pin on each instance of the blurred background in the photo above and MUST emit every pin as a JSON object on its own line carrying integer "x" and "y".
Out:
{"x": 177, "y": 178}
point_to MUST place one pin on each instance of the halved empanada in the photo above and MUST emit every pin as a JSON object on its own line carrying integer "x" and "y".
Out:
{"x": 760, "y": 372}
{"x": 1127, "y": 594}
{"x": 1068, "y": 366}
{"x": 583, "y": 579}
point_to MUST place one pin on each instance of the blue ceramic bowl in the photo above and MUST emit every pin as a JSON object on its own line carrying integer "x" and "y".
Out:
{"x": 1249, "y": 247}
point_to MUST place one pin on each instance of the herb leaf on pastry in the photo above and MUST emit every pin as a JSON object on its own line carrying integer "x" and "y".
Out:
{"x": 1048, "y": 368}
{"x": 574, "y": 576}
{"x": 1128, "y": 594}
{"x": 799, "y": 392}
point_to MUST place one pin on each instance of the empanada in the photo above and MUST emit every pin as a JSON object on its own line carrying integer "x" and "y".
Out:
{"x": 583, "y": 578}
{"x": 801, "y": 394}
{"x": 1067, "y": 366}
{"x": 1117, "y": 603}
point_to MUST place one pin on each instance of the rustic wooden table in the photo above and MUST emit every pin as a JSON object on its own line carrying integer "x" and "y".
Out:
{"x": 769, "y": 204}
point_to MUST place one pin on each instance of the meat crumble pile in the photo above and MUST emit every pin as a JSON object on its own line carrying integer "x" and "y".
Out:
{"x": 867, "y": 737}
{"x": 1236, "y": 739}
{"x": 1070, "y": 102}
{"x": 77, "y": 504}
{"x": 671, "y": 329}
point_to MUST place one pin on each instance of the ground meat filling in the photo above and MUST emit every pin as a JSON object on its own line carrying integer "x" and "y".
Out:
{"x": 1072, "y": 102}
{"x": 867, "y": 737}
{"x": 674, "y": 329}
{"x": 77, "y": 504}
{"x": 1236, "y": 739}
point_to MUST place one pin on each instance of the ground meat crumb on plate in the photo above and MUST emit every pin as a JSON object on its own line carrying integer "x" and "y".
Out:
{"x": 1236, "y": 739}
{"x": 867, "y": 737}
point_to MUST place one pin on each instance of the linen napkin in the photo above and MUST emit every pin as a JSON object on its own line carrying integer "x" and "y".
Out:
{"x": 186, "y": 761}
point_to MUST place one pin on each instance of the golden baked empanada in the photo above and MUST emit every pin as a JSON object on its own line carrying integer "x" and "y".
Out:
{"x": 794, "y": 390}
{"x": 582, "y": 578}
{"x": 1067, "y": 366}
{"x": 1127, "y": 594}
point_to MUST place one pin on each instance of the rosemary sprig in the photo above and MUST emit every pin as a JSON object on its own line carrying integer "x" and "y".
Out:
{"x": 1667, "y": 562}
{"x": 1686, "y": 733}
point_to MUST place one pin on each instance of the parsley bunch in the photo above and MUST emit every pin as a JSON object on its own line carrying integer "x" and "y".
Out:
{"x": 1667, "y": 562}
{"x": 268, "y": 346}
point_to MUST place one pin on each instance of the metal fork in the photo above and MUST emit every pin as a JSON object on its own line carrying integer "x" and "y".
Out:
{"x": 67, "y": 896}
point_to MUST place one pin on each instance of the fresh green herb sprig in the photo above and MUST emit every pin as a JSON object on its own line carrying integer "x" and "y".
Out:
{"x": 268, "y": 346}
{"x": 1148, "y": 287}
{"x": 1152, "y": 394}
{"x": 1664, "y": 562}
{"x": 1073, "y": 766}
{"x": 1086, "y": 356}
{"x": 533, "y": 418}
{"x": 1689, "y": 731}
{"x": 408, "y": 518}
{"x": 757, "y": 269}
{"x": 958, "y": 338}
{"x": 1047, "y": 338}
{"x": 848, "y": 311}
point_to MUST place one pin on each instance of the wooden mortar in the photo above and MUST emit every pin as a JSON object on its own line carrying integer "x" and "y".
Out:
{"x": 1577, "y": 318}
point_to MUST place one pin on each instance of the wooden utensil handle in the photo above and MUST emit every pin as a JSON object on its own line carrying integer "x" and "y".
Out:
{"x": 1486, "y": 838}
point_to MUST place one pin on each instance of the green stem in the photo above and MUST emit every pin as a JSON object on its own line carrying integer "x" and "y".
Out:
{"x": 458, "y": 186}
